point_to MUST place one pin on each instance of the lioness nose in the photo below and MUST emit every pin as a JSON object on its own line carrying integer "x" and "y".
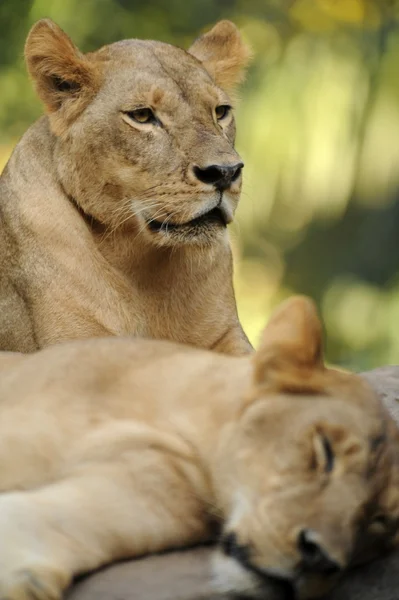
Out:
{"x": 314, "y": 557}
{"x": 221, "y": 176}
{"x": 232, "y": 548}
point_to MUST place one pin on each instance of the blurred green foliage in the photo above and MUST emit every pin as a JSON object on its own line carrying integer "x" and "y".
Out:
{"x": 318, "y": 128}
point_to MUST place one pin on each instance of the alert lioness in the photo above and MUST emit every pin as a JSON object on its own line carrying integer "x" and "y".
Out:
{"x": 114, "y": 206}
{"x": 114, "y": 448}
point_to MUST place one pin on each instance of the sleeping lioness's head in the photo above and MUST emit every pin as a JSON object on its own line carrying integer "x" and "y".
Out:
{"x": 144, "y": 131}
{"x": 308, "y": 475}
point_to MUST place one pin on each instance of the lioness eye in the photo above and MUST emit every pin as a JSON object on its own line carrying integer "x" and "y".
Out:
{"x": 222, "y": 111}
{"x": 141, "y": 115}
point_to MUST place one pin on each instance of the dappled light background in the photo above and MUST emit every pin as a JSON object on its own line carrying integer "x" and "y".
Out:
{"x": 318, "y": 129}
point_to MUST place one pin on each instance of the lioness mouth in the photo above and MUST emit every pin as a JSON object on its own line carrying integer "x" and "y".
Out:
{"x": 215, "y": 216}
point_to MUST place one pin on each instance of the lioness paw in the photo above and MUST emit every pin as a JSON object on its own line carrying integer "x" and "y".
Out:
{"x": 33, "y": 583}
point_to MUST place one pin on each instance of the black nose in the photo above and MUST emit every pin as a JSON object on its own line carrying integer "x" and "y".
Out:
{"x": 231, "y": 547}
{"x": 221, "y": 176}
{"x": 275, "y": 587}
{"x": 314, "y": 557}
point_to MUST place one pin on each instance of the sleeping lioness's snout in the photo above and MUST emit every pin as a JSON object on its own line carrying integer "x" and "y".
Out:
{"x": 264, "y": 583}
{"x": 231, "y": 547}
{"x": 314, "y": 555}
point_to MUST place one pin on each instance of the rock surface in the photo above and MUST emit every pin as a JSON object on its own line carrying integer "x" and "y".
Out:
{"x": 186, "y": 575}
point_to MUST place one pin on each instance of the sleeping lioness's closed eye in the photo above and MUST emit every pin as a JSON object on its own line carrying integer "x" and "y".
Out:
{"x": 323, "y": 454}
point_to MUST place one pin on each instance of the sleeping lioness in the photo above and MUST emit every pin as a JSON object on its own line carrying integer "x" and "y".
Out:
{"x": 115, "y": 448}
{"x": 114, "y": 206}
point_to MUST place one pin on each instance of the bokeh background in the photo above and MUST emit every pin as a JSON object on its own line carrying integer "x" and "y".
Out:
{"x": 318, "y": 128}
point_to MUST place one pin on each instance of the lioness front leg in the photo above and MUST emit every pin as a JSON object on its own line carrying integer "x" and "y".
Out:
{"x": 100, "y": 513}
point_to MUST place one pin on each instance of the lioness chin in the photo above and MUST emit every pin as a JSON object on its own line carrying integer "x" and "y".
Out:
{"x": 114, "y": 206}
{"x": 114, "y": 448}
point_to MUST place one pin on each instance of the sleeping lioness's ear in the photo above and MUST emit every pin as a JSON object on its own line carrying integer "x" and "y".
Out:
{"x": 64, "y": 77}
{"x": 223, "y": 53}
{"x": 290, "y": 353}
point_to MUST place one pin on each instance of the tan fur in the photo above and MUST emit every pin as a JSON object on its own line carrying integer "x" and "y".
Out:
{"x": 223, "y": 54}
{"x": 114, "y": 448}
{"x": 78, "y": 257}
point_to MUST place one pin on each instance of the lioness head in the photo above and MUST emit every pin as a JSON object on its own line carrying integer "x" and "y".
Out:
{"x": 144, "y": 131}
{"x": 308, "y": 475}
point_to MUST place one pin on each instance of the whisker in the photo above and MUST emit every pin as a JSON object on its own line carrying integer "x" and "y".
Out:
{"x": 126, "y": 212}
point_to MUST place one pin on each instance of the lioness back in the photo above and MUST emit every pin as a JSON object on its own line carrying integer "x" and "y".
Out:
{"x": 114, "y": 206}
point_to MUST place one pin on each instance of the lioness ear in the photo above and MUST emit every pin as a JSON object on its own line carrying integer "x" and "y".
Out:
{"x": 64, "y": 77}
{"x": 223, "y": 53}
{"x": 291, "y": 349}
